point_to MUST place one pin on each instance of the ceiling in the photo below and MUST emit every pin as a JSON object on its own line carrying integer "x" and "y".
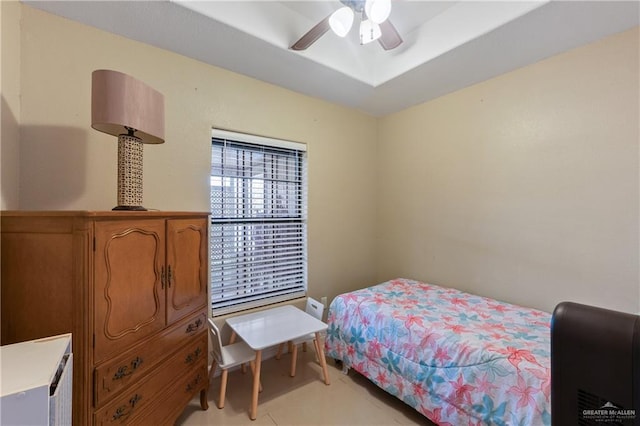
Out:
{"x": 447, "y": 45}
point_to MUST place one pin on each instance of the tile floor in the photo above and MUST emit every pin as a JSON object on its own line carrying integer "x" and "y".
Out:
{"x": 303, "y": 400}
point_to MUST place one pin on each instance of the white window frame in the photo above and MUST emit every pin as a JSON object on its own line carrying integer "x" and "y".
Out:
{"x": 232, "y": 233}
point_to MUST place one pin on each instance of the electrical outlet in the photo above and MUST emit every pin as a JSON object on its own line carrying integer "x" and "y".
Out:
{"x": 323, "y": 300}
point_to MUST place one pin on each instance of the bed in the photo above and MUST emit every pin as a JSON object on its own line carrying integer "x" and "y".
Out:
{"x": 457, "y": 358}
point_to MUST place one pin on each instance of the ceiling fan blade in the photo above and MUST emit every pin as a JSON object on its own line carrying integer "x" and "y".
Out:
{"x": 312, "y": 35}
{"x": 390, "y": 39}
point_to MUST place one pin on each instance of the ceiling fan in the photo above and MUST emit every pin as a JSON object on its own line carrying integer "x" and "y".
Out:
{"x": 374, "y": 24}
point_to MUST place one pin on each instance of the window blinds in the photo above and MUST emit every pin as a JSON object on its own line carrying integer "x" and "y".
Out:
{"x": 258, "y": 221}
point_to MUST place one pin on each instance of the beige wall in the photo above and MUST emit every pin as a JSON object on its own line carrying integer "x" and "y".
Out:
{"x": 10, "y": 12}
{"x": 67, "y": 165}
{"x": 524, "y": 187}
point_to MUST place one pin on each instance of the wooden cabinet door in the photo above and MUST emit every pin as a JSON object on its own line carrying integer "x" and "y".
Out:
{"x": 187, "y": 262}
{"x": 129, "y": 298}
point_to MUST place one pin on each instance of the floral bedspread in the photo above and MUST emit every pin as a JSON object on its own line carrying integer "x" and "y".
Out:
{"x": 457, "y": 358}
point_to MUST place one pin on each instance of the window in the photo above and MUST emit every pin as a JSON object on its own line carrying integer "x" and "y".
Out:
{"x": 258, "y": 244}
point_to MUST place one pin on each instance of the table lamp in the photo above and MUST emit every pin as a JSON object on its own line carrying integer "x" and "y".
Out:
{"x": 125, "y": 107}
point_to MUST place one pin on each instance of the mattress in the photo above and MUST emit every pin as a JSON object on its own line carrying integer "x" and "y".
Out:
{"x": 457, "y": 358}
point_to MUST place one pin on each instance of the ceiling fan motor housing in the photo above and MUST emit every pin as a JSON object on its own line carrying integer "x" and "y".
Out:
{"x": 356, "y": 5}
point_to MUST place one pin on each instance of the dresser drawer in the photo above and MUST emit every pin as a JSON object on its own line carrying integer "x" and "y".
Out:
{"x": 171, "y": 404}
{"x": 133, "y": 400}
{"x": 126, "y": 369}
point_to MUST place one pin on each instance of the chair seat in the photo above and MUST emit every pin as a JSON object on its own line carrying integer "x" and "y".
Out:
{"x": 227, "y": 357}
{"x": 236, "y": 354}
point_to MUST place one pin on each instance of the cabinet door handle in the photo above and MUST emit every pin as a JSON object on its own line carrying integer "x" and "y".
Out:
{"x": 169, "y": 276}
{"x": 162, "y": 277}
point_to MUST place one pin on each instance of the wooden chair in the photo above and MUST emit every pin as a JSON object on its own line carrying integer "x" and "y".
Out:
{"x": 227, "y": 357}
{"x": 315, "y": 309}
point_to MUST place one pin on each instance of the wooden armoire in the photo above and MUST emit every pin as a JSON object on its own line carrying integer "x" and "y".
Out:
{"x": 131, "y": 287}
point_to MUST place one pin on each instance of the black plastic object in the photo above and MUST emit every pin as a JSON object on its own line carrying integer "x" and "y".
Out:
{"x": 595, "y": 366}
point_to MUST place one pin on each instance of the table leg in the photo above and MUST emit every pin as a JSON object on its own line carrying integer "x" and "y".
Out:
{"x": 253, "y": 371}
{"x": 323, "y": 361}
{"x": 256, "y": 387}
{"x": 294, "y": 359}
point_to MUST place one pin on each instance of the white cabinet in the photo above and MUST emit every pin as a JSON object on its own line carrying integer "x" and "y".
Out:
{"x": 36, "y": 382}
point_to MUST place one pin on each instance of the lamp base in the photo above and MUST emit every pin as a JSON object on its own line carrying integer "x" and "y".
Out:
{"x": 130, "y": 208}
{"x": 129, "y": 172}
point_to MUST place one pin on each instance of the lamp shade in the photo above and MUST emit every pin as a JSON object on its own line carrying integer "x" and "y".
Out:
{"x": 120, "y": 102}
{"x": 378, "y": 10}
{"x": 341, "y": 21}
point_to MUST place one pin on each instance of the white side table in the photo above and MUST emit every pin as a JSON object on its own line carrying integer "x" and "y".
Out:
{"x": 264, "y": 329}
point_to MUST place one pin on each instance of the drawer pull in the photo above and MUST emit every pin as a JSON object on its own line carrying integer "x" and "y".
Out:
{"x": 134, "y": 400}
{"x": 192, "y": 357}
{"x": 194, "y": 326}
{"x": 124, "y": 371}
{"x": 192, "y": 386}
{"x": 122, "y": 412}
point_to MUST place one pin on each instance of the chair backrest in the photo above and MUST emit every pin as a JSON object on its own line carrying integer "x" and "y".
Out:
{"x": 216, "y": 341}
{"x": 314, "y": 308}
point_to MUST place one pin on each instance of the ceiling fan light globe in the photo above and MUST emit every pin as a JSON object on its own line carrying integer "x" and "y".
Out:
{"x": 369, "y": 31}
{"x": 377, "y": 10}
{"x": 341, "y": 21}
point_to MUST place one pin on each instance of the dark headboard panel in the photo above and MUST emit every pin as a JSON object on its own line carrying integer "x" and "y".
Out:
{"x": 595, "y": 365}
